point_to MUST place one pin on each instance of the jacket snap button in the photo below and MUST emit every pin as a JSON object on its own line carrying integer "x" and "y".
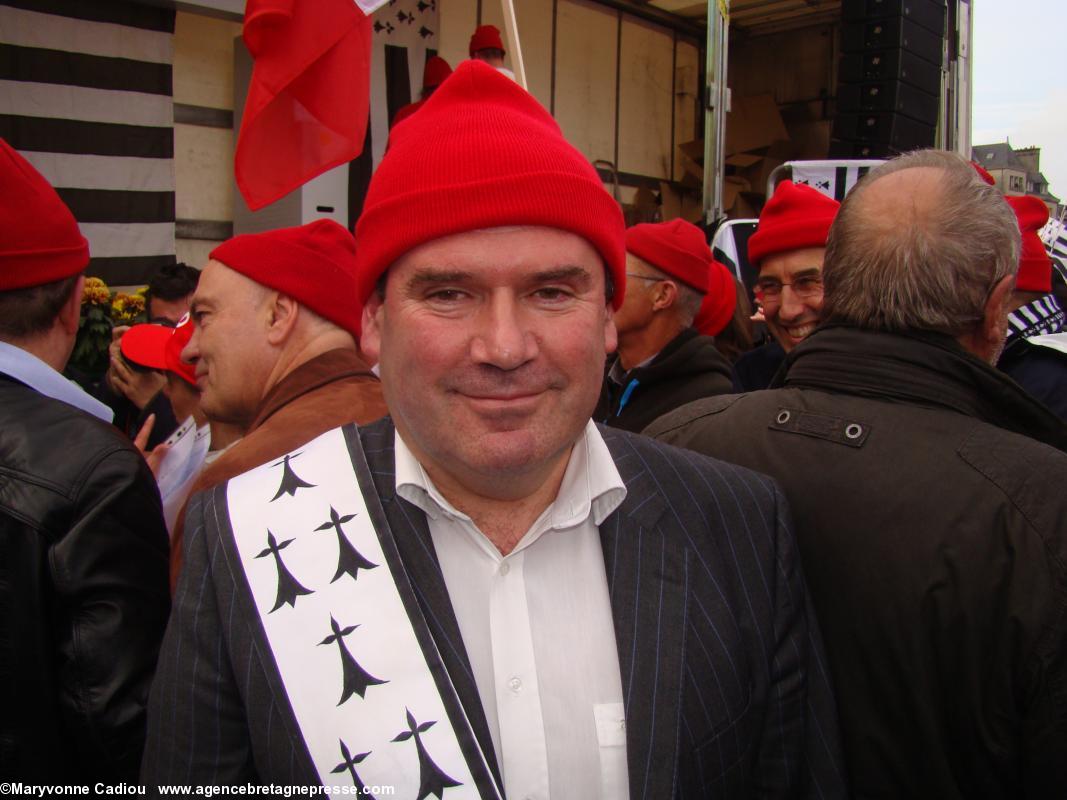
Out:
{"x": 783, "y": 417}
{"x": 854, "y": 431}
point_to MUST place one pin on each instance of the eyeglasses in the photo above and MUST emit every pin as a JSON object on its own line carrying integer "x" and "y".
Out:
{"x": 806, "y": 287}
{"x": 644, "y": 277}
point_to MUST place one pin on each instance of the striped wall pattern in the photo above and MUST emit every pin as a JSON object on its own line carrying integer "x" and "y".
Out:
{"x": 86, "y": 97}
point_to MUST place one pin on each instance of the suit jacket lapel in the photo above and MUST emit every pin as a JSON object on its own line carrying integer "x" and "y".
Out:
{"x": 647, "y": 580}
{"x": 413, "y": 541}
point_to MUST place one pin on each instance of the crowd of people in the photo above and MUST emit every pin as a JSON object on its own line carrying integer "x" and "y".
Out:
{"x": 500, "y": 501}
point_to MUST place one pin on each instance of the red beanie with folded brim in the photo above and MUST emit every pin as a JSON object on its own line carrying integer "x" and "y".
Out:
{"x": 1035, "y": 267}
{"x": 796, "y": 217}
{"x": 435, "y": 72}
{"x": 719, "y": 303}
{"x": 676, "y": 247}
{"x": 39, "y": 238}
{"x": 485, "y": 37}
{"x": 482, "y": 153}
{"x": 315, "y": 264}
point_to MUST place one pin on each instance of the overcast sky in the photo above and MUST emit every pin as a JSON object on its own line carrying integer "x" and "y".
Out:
{"x": 1020, "y": 80}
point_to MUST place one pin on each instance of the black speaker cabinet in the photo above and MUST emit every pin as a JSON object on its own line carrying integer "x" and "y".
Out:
{"x": 878, "y": 134}
{"x": 930, "y": 14}
{"x": 890, "y": 95}
{"x": 892, "y": 33}
{"x": 889, "y": 65}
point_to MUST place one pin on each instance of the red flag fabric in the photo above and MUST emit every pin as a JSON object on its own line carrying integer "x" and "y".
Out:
{"x": 308, "y": 100}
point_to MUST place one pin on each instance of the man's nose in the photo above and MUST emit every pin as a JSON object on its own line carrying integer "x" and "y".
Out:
{"x": 191, "y": 352}
{"x": 504, "y": 339}
{"x": 792, "y": 306}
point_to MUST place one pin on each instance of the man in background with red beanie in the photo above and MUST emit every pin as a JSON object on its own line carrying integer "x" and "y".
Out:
{"x": 1035, "y": 353}
{"x": 83, "y": 550}
{"x": 930, "y": 521}
{"x": 274, "y": 347}
{"x": 433, "y": 75}
{"x": 523, "y": 602}
{"x": 662, "y": 361}
{"x": 486, "y": 45}
{"x": 788, "y": 249}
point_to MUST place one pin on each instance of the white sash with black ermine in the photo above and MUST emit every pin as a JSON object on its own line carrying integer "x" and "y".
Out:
{"x": 362, "y": 674}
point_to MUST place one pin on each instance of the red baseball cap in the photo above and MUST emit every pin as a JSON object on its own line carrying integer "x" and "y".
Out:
{"x": 160, "y": 347}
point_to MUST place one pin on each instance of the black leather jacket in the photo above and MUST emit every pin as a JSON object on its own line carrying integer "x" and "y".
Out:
{"x": 83, "y": 593}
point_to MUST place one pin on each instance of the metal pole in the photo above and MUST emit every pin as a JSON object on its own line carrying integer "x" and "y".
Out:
{"x": 716, "y": 96}
{"x": 511, "y": 32}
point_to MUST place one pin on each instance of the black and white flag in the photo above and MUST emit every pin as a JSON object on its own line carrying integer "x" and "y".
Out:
{"x": 86, "y": 97}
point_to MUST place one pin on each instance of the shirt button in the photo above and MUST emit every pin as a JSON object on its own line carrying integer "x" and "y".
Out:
{"x": 515, "y": 685}
{"x": 505, "y": 568}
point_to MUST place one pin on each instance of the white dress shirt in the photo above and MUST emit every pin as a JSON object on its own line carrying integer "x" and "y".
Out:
{"x": 537, "y": 626}
{"x": 30, "y": 370}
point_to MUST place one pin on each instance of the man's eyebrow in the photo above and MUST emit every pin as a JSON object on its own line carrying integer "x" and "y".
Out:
{"x": 566, "y": 272}
{"x": 428, "y": 275}
{"x": 810, "y": 272}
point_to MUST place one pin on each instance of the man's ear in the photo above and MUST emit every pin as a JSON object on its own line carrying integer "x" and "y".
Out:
{"x": 665, "y": 295}
{"x": 282, "y": 315}
{"x": 611, "y": 333}
{"x": 995, "y": 316}
{"x": 370, "y": 337}
{"x": 70, "y": 313}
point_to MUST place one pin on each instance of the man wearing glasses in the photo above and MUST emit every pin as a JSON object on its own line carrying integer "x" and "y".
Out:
{"x": 928, "y": 504}
{"x": 787, "y": 248}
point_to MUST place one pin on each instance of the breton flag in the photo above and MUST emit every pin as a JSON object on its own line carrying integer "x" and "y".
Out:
{"x": 86, "y": 97}
{"x": 308, "y": 101}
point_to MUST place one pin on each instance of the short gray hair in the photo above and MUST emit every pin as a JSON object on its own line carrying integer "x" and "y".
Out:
{"x": 688, "y": 299}
{"x": 932, "y": 272}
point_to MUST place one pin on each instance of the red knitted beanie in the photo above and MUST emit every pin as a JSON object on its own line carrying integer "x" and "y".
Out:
{"x": 160, "y": 347}
{"x": 1035, "y": 267}
{"x": 482, "y": 153}
{"x": 719, "y": 303}
{"x": 485, "y": 37}
{"x": 39, "y": 239}
{"x": 676, "y": 247}
{"x": 795, "y": 217}
{"x": 983, "y": 173}
{"x": 435, "y": 72}
{"x": 314, "y": 264}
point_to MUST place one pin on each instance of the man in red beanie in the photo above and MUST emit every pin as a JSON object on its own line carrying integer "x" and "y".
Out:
{"x": 1035, "y": 352}
{"x": 788, "y": 249}
{"x": 662, "y": 361}
{"x": 929, "y": 507}
{"x": 523, "y": 602}
{"x": 486, "y": 45}
{"x": 433, "y": 75}
{"x": 83, "y": 590}
{"x": 275, "y": 348}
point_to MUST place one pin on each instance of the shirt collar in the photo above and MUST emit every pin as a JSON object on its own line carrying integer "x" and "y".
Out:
{"x": 30, "y": 370}
{"x": 591, "y": 484}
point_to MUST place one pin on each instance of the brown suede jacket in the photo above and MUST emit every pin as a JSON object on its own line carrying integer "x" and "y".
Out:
{"x": 326, "y": 392}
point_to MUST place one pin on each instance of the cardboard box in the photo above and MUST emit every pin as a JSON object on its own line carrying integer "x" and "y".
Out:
{"x": 753, "y": 123}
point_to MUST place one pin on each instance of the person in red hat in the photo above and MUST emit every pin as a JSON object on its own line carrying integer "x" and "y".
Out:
{"x": 787, "y": 248}
{"x": 566, "y": 592}
{"x": 275, "y": 348}
{"x": 927, "y": 489}
{"x": 487, "y": 45}
{"x": 662, "y": 361}
{"x": 724, "y": 316}
{"x": 83, "y": 591}
{"x": 1035, "y": 352}
{"x": 433, "y": 75}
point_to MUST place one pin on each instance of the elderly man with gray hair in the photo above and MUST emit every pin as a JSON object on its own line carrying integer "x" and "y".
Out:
{"x": 928, "y": 502}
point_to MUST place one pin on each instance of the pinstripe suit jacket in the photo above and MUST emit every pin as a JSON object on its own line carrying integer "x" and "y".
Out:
{"x": 725, "y": 689}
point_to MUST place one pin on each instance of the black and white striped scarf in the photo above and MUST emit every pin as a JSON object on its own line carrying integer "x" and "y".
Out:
{"x": 1044, "y": 315}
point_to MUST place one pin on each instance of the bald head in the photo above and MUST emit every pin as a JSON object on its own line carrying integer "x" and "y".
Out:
{"x": 919, "y": 245}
